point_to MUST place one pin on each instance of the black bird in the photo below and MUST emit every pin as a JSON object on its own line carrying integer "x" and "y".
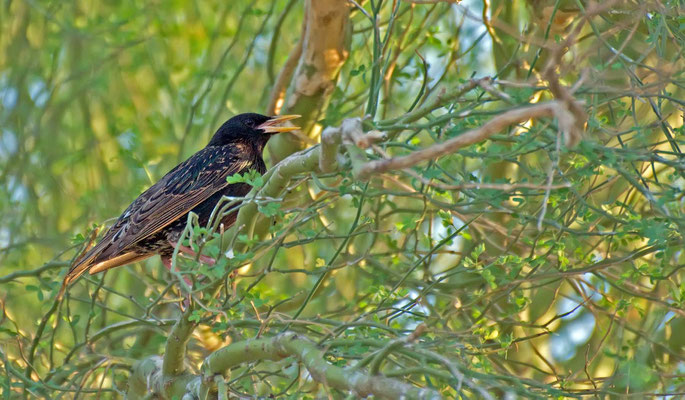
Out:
{"x": 153, "y": 223}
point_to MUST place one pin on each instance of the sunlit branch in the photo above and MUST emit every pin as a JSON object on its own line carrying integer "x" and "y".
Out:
{"x": 518, "y": 115}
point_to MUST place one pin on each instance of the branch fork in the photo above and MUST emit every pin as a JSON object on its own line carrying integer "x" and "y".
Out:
{"x": 352, "y": 136}
{"x": 148, "y": 376}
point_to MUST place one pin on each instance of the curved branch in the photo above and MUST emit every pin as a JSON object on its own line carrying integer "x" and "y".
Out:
{"x": 319, "y": 158}
{"x": 289, "y": 344}
{"x": 148, "y": 376}
{"x": 167, "y": 375}
{"x": 555, "y": 108}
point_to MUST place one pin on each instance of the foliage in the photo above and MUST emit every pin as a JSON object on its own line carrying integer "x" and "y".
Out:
{"x": 514, "y": 266}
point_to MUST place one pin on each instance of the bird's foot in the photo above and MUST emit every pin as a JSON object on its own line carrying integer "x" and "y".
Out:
{"x": 190, "y": 252}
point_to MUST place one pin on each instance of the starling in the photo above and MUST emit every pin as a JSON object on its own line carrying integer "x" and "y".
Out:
{"x": 154, "y": 222}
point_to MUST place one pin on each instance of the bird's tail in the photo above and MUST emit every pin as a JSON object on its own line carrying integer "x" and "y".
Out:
{"x": 81, "y": 265}
{"x": 89, "y": 263}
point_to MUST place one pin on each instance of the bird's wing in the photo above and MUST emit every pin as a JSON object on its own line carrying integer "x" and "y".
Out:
{"x": 177, "y": 193}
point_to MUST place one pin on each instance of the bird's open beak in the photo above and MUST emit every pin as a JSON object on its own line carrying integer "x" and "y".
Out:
{"x": 276, "y": 124}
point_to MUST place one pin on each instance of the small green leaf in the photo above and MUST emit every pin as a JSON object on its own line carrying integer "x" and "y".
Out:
{"x": 270, "y": 209}
{"x": 358, "y": 70}
{"x": 251, "y": 177}
{"x": 195, "y": 316}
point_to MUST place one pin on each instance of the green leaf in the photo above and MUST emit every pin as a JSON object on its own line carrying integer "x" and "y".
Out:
{"x": 270, "y": 209}
{"x": 251, "y": 177}
{"x": 195, "y": 316}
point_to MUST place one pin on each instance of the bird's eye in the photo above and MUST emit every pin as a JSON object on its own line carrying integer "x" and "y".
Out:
{"x": 250, "y": 123}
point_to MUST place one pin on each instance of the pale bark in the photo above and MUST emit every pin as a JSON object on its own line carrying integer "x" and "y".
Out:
{"x": 149, "y": 379}
{"x": 567, "y": 121}
{"x": 324, "y": 51}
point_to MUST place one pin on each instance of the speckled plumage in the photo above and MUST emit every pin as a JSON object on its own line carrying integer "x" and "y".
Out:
{"x": 157, "y": 217}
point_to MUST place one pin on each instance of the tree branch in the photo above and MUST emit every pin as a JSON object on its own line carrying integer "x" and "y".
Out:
{"x": 175, "y": 350}
{"x": 281, "y": 85}
{"x": 34, "y": 272}
{"x": 433, "y": 102}
{"x": 324, "y": 51}
{"x": 276, "y": 179}
{"x": 351, "y": 135}
{"x": 290, "y": 344}
{"x": 148, "y": 376}
{"x": 320, "y": 158}
{"x": 548, "y": 109}
{"x": 165, "y": 375}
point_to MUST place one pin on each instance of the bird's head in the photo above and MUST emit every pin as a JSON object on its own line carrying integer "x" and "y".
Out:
{"x": 252, "y": 128}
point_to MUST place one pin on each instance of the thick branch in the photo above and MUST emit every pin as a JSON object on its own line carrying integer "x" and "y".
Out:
{"x": 322, "y": 158}
{"x": 572, "y": 124}
{"x": 175, "y": 350}
{"x": 147, "y": 377}
{"x": 518, "y": 115}
{"x": 330, "y": 144}
{"x": 165, "y": 375}
{"x": 289, "y": 344}
{"x": 276, "y": 179}
{"x": 352, "y": 136}
{"x": 324, "y": 51}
